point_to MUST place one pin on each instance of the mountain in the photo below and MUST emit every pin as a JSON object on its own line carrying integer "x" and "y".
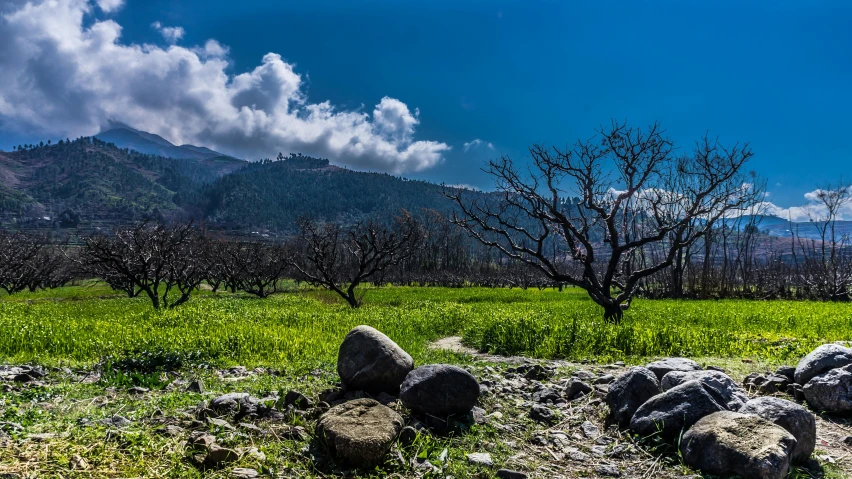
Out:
{"x": 124, "y": 136}
{"x": 784, "y": 228}
{"x": 100, "y": 182}
{"x": 275, "y": 194}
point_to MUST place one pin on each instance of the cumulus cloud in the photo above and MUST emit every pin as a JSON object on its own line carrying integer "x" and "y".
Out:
{"x": 65, "y": 72}
{"x": 476, "y": 144}
{"x": 110, "y": 5}
{"x": 170, "y": 34}
{"x": 813, "y": 209}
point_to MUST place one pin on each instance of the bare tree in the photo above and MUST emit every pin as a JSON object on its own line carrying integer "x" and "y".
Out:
{"x": 27, "y": 261}
{"x": 340, "y": 259}
{"x": 153, "y": 258}
{"x": 824, "y": 265}
{"x": 259, "y": 267}
{"x": 635, "y": 193}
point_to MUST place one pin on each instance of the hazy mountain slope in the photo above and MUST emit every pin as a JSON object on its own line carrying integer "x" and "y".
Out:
{"x": 124, "y": 136}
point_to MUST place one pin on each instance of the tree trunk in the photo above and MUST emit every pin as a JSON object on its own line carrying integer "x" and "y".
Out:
{"x": 613, "y": 313}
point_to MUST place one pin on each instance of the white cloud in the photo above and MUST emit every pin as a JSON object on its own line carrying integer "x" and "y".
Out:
{"x": 477, "y": 143}
{"x": 62, "y": 78}
{"x": 109, "y": 6}
{"x": 812, "y": 209}
{"x": 170, "y": 34}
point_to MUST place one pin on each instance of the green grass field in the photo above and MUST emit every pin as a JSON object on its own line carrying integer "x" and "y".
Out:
{"x": 82, "y": 325}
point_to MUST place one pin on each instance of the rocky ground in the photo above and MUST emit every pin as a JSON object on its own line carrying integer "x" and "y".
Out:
{"x": 543, "y": 419}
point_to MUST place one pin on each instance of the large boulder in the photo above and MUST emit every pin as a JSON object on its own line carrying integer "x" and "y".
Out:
{"x": 370, "y": 361}
{"x": 831, "y": 391}
{"x": 439, "y": 390}
{"x": 797, "y": 420}
{"x": 676, "y": 410}
{"x": 667, "y": 365}
{"x": 359, "y": 432}
{"x": 729, "y": 443}
{"x": 820, "y": 360}
{"x": 630, "y": 391}
{"x": 735, "y": 397}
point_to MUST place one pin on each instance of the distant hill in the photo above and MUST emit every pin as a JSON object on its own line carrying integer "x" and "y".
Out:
{"x": 124, "y": 136}
{"x": 783, "y": 228}
{"x": 97, "y": 181}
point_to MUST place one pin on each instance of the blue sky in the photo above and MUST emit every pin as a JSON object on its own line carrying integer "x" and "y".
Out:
{"x": 775, "y": 74}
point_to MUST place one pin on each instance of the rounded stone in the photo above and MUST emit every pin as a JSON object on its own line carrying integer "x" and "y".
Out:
{"x": 820, "y": 360}
{"x": 359, "y": 432}
{"x": 729, "y": 443}
{"x": 831, "y": 391}
{"x": 667, "y": 365}
{"x": 370, "y": 361}
{"x": 439, "y": 390}
{"x": 797, "y": 420}
{"x": 628, "y": 392}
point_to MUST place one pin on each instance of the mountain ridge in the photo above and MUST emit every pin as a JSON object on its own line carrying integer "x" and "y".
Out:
{"x": 124, "y": 136}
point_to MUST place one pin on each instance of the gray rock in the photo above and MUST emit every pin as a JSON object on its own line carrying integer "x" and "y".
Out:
{"x": 244, "y": 473}
{"x": 195, "y": 386}
{"x": 137, "y": 390}
{"x": 359, "y": 432}
{"x": 728, "y": 443}
{"x": 240, "y": 404}
{"x": 370, "y": 361}
{"x": 115, "y": 421}
{"x": 773, "y": 383}
{"x": 608, "y": 470}
{"x": 831, "y": 391}
{"x": 509, "y": 474}
{"x": 788, "y": 372}
{"x": 407, "y": 436}
{"x": 217, "y": 455}
{"x": 664, "y": 366}
{"x": 546, "y": 394}
{"x": 480, "y": 459}
{"x": 820, "y": 360}
{"x": 575, "y": 388}
{"x": 676, "y": 410}
{"x": 439, "y": 390}
{"x": 590, "y": 430}
{"x": 797, "y": 420}
{"x": 734, "y": 396}
{"x": 297, "y": 400}
{"x": 542, "y": 414}
{"x": 629, "y": 392}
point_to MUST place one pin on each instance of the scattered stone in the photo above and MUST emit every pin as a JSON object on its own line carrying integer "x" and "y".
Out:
{"x": 578, "y": 456}
{"x": 509, "y": 474}
{"x": 535, "y": 372}
{"x": 831, "y": 391}
{"x": 78, "y": 463}
{"x": 797, "y": 391}
{"x": 630, "y": 391}
{"x": 137, "y": 390}
{"x": 664, "y": 366}
{"x": 297, "y": 400}
{"x": 676, "y": 410}
{"x": 218, "y": 455}
{"x": 200, "y": 441}
{"x": 478, "y": 415}
{"x": 480, "y": 459}
{"x": 115, "y": 421}
{"x": 797, "y": 420}
{"x": 221, "y": 423}
{"x": 605, "y": 379}
{"x": 608, "y": 470}
{"x": 542, "y": 414}
{"x": 847, "y": 440}
{"x": 590, "y": 430}
{"x": 734, "y": 396}
{"x": 774, "y": 383}
{"x": 727, "y": 443}
{"x": 788, "y": 372}
{"x": 359, "y": 432}
{"x": 42, "y": 437}
{"x": 439, "y": 390}
{"x": 546, "y": 394}
{"x": 370, "y": 361}
{"x": 239, "y": 404}
{"x": 244, "y": 473}
{"x": 407, "y": 436}
{"x": 574, "y": 388}
{"x": 171, "y": 430}
{"x": 195, "y": 386}
{"x": 820, "y": 360}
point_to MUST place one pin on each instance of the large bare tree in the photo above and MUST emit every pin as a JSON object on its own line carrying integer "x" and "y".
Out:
{"x": 581, "y": 214}
{"x": 340, "y": 259}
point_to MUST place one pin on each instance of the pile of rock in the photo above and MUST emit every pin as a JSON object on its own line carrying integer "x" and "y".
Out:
{"x": 359, "y": 430}
{"x": 721, "y": 431}
{"x": 825, "y": 377}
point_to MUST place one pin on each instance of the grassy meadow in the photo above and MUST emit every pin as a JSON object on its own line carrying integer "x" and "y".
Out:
{"x": 82, "y": 325}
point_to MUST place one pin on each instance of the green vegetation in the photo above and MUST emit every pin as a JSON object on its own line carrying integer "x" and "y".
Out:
{"x": 305, "y": 327}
